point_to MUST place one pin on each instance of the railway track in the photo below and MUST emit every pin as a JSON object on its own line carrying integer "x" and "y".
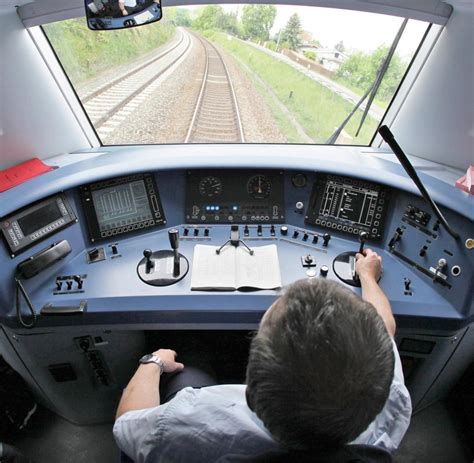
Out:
{"x": 216, "y": 117}
{"x": 131, "y": 88}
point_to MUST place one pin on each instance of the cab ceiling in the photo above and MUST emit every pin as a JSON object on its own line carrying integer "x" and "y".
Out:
{"x": 434, "y": 11}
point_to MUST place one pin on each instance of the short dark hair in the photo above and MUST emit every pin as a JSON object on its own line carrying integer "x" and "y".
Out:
{"x": 320, "y": 367}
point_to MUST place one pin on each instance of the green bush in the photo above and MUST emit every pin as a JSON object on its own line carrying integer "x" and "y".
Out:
{"x": 310, "y": 55}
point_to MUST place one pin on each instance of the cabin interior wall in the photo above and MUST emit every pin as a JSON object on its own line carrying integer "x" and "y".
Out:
{"x": 436, "y": 120}
{"x": 35, "y": 118}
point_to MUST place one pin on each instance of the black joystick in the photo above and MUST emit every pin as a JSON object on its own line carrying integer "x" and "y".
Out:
{"x": 149, "y": 264}
{"x": 173, "y": 235}
{"x": 363, "y": 237}
{"x": 155, "y": 268}
{"x": 326, "y": 239}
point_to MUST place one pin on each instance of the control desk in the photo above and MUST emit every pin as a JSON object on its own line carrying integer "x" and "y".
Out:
{"x": 79, "y": 252}
{"x": 104, "y": 250}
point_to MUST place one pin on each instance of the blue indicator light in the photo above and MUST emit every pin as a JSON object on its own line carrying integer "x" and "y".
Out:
{"x": 234, "y": 208}
{"x": 217, "y": 208}
{"x": 208, "y": 208}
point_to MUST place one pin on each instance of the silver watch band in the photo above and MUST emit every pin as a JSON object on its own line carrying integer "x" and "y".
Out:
{"x": 150, "y": 358}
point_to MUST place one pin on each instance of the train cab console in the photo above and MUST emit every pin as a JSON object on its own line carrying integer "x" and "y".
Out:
{"x": 104, "y": 260}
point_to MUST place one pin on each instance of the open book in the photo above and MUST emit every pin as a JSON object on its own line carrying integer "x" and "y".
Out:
{"x": 234, "y": 268}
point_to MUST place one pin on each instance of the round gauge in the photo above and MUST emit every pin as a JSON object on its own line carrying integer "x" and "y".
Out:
{"x": 210, "y": 186}
{"x": 259, "y": 186}
{"x": 299, "y": 180}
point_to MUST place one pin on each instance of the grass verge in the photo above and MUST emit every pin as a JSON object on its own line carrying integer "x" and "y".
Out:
{"x": 85, "y": 53}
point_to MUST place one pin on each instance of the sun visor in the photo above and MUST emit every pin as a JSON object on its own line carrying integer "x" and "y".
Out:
{"x": 433, "y": 11}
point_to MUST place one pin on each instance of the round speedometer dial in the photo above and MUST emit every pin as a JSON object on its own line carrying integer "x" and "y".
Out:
{"x": 210, "y": 186}
{"x": 259, "y": 186}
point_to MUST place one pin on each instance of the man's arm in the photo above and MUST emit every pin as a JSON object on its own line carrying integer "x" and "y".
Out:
{"x": 143, "y": 390}
{"x": 368, "y": 268}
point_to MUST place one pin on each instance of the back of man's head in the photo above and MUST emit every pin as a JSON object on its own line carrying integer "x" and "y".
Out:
{"x": 320, "y": 367}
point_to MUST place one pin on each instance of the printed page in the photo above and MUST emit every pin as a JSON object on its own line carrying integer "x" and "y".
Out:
{"x": 262, "y": 270}
{"x": 211, "y": 270}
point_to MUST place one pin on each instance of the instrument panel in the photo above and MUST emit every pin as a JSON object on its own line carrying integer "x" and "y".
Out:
{"x": 245, "y": 196}
{"x": 348, "y": 205}
{"x": 122, "y": 205}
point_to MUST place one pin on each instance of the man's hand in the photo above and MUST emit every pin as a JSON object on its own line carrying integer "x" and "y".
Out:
{"x": 368, "y": 265}
{"x": 169, "y": 360}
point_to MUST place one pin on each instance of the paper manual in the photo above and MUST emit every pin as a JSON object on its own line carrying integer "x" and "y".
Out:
{"x": 234, "y": 268}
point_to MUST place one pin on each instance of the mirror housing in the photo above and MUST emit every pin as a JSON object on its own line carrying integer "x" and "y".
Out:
{"x": 119, "y": 14}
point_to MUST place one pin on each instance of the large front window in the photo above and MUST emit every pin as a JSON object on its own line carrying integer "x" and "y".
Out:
{"x": 239, "y": 74}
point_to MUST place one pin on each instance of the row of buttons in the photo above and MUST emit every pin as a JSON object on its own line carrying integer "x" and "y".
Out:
{"x": 126, "y": 229}
{"x": 46, "y": 230}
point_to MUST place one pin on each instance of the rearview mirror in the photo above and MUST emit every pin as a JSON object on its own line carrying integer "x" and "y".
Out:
{"x": 119, "y": 14}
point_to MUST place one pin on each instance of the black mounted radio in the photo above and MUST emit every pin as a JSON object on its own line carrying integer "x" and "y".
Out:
{"x": 34, "y": 223}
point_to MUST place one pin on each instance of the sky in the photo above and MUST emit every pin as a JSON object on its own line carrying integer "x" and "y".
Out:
{"x": 358, "y": 30}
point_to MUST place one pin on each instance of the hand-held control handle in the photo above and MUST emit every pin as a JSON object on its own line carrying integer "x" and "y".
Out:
{"x": 363, "y": 236}
{"x": 173, "y": 235}
{"x": 147, "y": 253}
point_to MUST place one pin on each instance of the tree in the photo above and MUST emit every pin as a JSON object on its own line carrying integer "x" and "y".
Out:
{"x": 340, "y": 46}
{"x": 257, "y": 20}
{"x": 360, "y": 70}
{"x": 210, "y": 17}
{"x": 181, "y": 17}
{"x": 291, "y": 32}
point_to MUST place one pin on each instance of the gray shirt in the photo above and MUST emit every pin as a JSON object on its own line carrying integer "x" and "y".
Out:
{"x": 201, "y": 425}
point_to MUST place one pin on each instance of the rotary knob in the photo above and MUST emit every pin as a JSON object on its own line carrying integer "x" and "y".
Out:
{"x": 324, "y": 270}
{"x": 284, "y": 230}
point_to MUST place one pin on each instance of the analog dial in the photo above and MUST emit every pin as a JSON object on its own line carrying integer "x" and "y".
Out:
{"x": 259, "y": 186}
{"x": 210, "y": 187}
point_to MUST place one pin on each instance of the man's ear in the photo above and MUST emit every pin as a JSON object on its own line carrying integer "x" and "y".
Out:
{"x": 248, "y": 398}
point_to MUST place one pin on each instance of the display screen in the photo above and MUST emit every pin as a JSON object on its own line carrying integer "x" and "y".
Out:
{"x": 39, "y": 218}
{"x": 121, "y": 205}
{"x": 349, "y": 202}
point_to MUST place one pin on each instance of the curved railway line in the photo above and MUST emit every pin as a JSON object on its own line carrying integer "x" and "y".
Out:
{"x": 104, "y": 103}
{"x": 216, "y": 117}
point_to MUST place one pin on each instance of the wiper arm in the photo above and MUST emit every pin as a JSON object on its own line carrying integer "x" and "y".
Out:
{"x": 372, "y": 91}
{"x": 387, "y": 135}
{"x": 381, "y": 73}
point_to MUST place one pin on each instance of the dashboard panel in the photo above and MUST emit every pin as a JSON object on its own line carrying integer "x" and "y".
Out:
{"x": 427, "y": 275}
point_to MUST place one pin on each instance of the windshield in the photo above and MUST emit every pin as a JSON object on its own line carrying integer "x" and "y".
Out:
{"x": 239, "y": 74}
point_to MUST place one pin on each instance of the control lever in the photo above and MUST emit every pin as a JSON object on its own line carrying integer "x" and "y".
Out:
{"x": 149, "y": 264}
{"x": 155, "y": 268}
{"x": 363, "y": 237}
{"x": 173, "y": 236}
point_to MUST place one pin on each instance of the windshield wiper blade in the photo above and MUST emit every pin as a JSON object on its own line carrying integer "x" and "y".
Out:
{"x": 381, "y": 73}
{"x": 372, "y": 91}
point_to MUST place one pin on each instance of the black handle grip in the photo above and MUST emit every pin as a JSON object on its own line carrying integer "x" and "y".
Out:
{"x": 173, "y": 235}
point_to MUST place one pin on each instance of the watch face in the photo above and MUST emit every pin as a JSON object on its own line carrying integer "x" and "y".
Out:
{"x": 146, "y": 358}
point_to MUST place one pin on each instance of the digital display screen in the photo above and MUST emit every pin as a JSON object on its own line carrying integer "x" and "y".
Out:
{"x": 352, "y": 203}
{"x": 39, "y": 218}
{"x": 121, "y": 205}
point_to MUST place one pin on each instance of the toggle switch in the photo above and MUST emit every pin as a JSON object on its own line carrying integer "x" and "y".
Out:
{"x": 114, "y": 249}
{"x": 59, "y": 284}
{"x": 206, "y": 232}
{"x": 246, "y": 230}
{"x": 407, "y": 284}
{"x": 186, "y": 232}
{"x": 315, "y": 238}
{"x": 78, "y": 280}
{"x": 295, "y": 234}
{"x": 259, "y": 230}
{"x": 272, "y": 230}
{"x": 308, "y": 261}
{"x": 305, "y": 237}
{"x": 326, "y": 239}
{"x": 423, "y": 251}
{"x": 69, "y": 285}
{"x": 196, "y": 232}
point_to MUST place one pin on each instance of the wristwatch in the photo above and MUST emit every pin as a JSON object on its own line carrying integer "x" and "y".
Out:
{"x": 151, "y": 358}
